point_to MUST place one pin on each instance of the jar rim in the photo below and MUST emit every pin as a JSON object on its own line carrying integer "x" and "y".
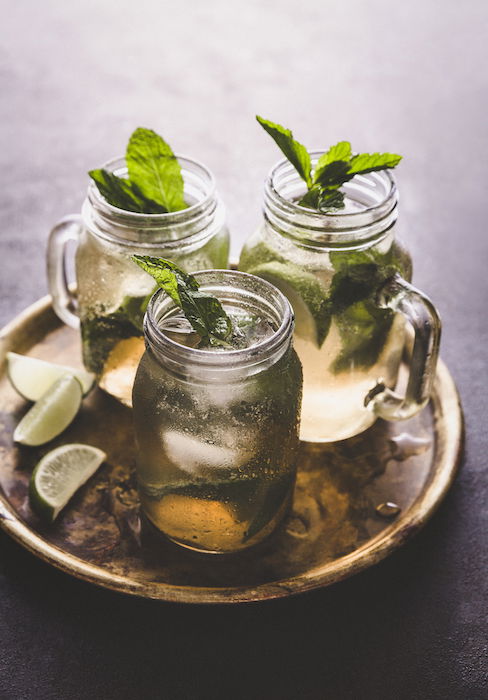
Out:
{"x": 119, "y": 163}
{"x": 336, "y": 227}
{"x": 227, "y": 359}
{"x": 315, "y": 155}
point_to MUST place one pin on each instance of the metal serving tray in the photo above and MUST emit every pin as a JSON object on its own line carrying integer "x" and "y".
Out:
{"x": 334, "y": 530}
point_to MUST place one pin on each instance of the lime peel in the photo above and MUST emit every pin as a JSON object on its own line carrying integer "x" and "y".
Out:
{"x": 32, "y": 377}
{"x": 305, "y": 293}
{"x": 52, "y": 414}
{"x": 58, "y": 476}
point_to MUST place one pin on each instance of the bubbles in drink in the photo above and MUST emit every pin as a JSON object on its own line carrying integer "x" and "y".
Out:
{"x": 216, "y": 465}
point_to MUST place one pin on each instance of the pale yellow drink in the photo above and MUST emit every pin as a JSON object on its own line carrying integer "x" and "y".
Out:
{"x": 332, "y": 269}
{"x": 339, "y": 396}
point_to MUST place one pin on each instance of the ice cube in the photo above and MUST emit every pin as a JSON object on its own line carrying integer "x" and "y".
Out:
{"x": 180, "y": 330}
{"x": 193, "y": 455}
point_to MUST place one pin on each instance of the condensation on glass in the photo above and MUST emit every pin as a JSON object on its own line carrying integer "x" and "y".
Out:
{"x": 217, "y": 431}
{"x": 112, "y": 291}
{"x": 348, "y": 280}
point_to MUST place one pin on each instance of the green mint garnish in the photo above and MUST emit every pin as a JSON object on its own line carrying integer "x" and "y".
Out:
{"x": 204, "y": 312}
{"x": 363, "y": 326}
{"x": 122, "y": 194}
{"x": 333, "y": 168}
{"x": 295, "y": 152}
{"x": 154, "y": 168}
{"x": 154, "y": 184}
{"x": 364, "y": 329}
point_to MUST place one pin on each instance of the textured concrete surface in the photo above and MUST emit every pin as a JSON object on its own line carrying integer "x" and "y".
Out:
{"x": 75, "y": 79}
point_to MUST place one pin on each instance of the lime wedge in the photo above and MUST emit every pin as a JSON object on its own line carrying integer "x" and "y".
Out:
{"x": 59, "y": 475}
{"x": 51, "y": 414}
{"x": 31, "y": 377}
{"x": 304, "y": 292}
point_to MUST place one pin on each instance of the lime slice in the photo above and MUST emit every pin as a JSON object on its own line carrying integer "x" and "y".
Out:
{"x": 304, "y": 292}
{"x": 257, "y": 254}
{"x": 204, "y": 523}
{"x": 51, "y": 414}
{"x": 119, "y": 370}
{"x": 31, "y": 377}
{"x": 59, "y": 475}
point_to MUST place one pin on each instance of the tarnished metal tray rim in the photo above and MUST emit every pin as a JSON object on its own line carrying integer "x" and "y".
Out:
{"x": 445, "y": 402}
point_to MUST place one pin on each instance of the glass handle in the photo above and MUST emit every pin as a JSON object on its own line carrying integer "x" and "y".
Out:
{"x": 64, "y": 301}
{"x": 419, "y": 311}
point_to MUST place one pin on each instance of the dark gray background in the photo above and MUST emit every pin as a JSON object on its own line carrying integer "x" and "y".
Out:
{"x": 411, "y": 77}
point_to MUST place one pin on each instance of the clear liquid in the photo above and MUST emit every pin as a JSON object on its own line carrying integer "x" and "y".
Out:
{"x": 351, "y": 346}
{"x": 333, "y": 402}
{"x": 219, "y": 516}
{"x": 112, "y": 296}
{"x": 247, "y": 331}
{"x": 216, "y": 461}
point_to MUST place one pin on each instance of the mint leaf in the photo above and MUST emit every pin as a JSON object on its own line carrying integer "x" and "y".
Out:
{"x": 322, "y": 199}
{"x": 371, "y": 264}
{"x": 134, "y": 308}
{"x": 154, "y": 169}
{"x": 122, "y": 194}
{"x": 206, "y": 315}
{"x": 330, "y": 199}
{"x": 203, "y": 311}
{"x": 334, "y": 168}
{"x": 355, "y": 283}
{"x": 165, "y": 273}
{"x": 294, "y": 151}
{"x": 267, "y": 499}
{"x": 334, "y": 174}
{"x": 363, "y": 326}
{"x": 359, "y": 275}
{"x": 369, "y": 162}
{"x": 364, "y": 329}
{"x": 155, "y": 184}
{"x": 311, "y": 198}
{"x": 340, "y": 152}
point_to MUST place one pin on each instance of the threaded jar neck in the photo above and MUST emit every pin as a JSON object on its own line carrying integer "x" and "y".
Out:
{"x": 233, "y": 289}
{"x": 199, "y": 220}
{"x": 370, "y": 211}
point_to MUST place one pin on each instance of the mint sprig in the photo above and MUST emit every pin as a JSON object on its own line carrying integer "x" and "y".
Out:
{"x": 334, "y": 168}
{"x": 204, "y": 311}
{"x": 154, "y": 184}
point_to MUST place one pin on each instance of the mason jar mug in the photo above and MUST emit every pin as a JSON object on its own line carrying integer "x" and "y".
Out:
{"x": 217, "y": 430}
{"x": 348, "y": 280}
{"x": 111, "y": 290}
